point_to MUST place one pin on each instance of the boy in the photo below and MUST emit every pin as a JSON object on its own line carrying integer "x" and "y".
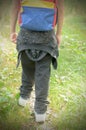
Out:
{"x": 37, "y": 49}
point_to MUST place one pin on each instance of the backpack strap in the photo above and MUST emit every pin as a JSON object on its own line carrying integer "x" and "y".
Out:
{"x": 56, "y": 14}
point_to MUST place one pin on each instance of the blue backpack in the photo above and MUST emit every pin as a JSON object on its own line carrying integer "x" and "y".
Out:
{"x": 38, "y": 15}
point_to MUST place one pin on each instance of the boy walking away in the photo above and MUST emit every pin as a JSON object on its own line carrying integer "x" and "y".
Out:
{"x": 37, "y": 45}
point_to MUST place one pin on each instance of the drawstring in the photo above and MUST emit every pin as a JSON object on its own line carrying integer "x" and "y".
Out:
{"x": 18, "y": 59}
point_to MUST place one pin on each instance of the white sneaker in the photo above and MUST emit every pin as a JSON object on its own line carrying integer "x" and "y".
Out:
{"x": 22, "y": 102}
{"x": 40, "y": 117}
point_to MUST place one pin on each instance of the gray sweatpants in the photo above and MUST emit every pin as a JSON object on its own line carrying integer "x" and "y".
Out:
{"x": 38, "y": 73}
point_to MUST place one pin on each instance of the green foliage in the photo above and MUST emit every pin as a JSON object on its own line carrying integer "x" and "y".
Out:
{"x": 75, "y": 7}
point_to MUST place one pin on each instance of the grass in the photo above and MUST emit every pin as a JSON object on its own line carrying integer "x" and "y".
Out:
{"x": 67, "y": 109}
{"x": 69, "y": 83}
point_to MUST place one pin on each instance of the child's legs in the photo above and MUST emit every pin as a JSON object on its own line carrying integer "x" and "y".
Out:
{"x": 28, "y": 68}
{"x": 42, "y": 76}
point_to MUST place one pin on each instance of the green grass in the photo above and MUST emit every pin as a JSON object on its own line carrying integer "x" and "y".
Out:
{"x": 68, "y": 84}
{"x": 67, "y": 109}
